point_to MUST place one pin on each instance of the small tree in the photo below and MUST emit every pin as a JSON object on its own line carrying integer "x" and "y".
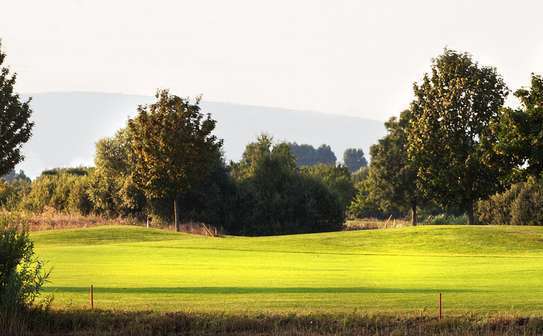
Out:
{"x": 15, "y": 124}
{"x": 173, "y": 148}
{"x": 392, "y": 175}
{"x": 354, "y": 159}
{"x": 453, "y": 131}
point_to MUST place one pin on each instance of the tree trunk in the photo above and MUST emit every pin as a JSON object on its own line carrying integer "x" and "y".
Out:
{"x": 175, "y": 215}
{"x": 414, "y": 213}
{"x": 471, "y": 216}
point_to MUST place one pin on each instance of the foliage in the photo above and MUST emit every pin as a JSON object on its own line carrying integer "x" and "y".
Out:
{"x": 521, "y": 132}
{"x": 274, "y": 198}
{"x": 363, "y": 205}
{"x": 13, "y": 188}
{"x": 12, "y": 175}
{"x": 62, "y": 191}
{"x": 307, "y": 155}
{"x": 15, "y": 124}
{"x": 360, "y": 175}
{"x": 336, "y": 178}
{"x": 354, "y": 159}
{"x": 111, "y": 187}
{"x": 453, "y": 130}
{"x": 521, "y": 204}
{"x": 22, "y": 274}
{"x": 173, "y": 147}
{"x": 392, "y": 174}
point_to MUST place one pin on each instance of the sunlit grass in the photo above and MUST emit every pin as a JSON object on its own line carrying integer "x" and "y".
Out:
{"x": 480, "y": 269}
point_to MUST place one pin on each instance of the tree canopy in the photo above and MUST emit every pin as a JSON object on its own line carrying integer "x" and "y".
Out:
{"x": 354, "y": 159}
{"x": 15, "y": 124}
{"x": 521, "y": 132}
{"x": 307, "y": 155}
{"x": 173, "y": 147}
{"x": 456, "y": 110}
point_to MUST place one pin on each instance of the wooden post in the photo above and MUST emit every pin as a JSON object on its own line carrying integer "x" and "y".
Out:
{"x": 91, "y": 296}
{"x": 440, "y": 307}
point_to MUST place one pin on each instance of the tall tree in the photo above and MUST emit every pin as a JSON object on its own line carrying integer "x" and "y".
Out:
{"x": 392, "y": 174}
{"x": 354, "y": 159}
{"x": 453, "y": 130}
{"x": 15, "y": 124}
{"x": 173, "y": 148}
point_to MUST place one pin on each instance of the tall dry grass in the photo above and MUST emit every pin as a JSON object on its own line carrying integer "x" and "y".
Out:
{"x": 190, "y": 323}
{"x": 375, "y": 224}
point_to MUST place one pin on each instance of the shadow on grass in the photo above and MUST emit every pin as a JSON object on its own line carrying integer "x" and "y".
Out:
{"x": 256, "y": 290}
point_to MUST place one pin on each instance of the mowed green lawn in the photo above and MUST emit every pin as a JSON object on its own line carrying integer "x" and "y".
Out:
{"x": 479, "y": 269}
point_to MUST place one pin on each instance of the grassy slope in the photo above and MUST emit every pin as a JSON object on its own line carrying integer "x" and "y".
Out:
{"x": 479, "y": 269}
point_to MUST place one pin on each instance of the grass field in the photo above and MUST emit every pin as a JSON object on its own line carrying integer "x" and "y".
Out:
{"x": 479, "y": 269}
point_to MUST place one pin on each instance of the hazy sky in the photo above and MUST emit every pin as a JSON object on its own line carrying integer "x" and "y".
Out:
{"x": 347, "y": 57}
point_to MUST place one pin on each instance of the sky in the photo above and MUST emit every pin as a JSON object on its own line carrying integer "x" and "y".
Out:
{"x": 357, "y": 58}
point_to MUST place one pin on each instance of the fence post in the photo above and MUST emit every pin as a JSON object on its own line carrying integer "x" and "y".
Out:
{"x": 440, "y": 307}
{"x": 91, "y": 296}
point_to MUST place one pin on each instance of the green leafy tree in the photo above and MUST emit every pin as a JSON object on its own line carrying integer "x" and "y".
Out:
{"x": 173, "y": 148}
{"x": 275, "y": 198}
{"x": 354, "y": 159}
{"x": 363, "y": 204}
{"x": 453, "y": 131}
{"x": 15, "y": 124}
{"x": 112, "y": 188}
{"x": 336, "y": 178}
{"x": 521, "y": 130}
{"x": 392, "y": 174}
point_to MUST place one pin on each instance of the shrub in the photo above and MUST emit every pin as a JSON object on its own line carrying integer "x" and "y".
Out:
{"x": 61, "y": 190}
{"x": 12, "y": 192}
{"x": 22, "y": 274}
{"x": 527, "y": 208}
{"x": 521, "y": 204}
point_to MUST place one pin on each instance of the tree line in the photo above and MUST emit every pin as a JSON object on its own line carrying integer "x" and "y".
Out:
{"x": 167, "y": 164}
{"x": 458, "y": 149}
{"x": 455, "y": 150}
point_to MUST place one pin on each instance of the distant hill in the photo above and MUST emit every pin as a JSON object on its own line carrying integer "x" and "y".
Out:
{"x": 68, "y": 124}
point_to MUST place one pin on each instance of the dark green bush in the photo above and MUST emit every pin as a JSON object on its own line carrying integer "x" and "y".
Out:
{"x": 336, "y": 178}
{"x": 22, "y": 274}
{"x": 521, "y": 204}
{"x": 273, "y": 197}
